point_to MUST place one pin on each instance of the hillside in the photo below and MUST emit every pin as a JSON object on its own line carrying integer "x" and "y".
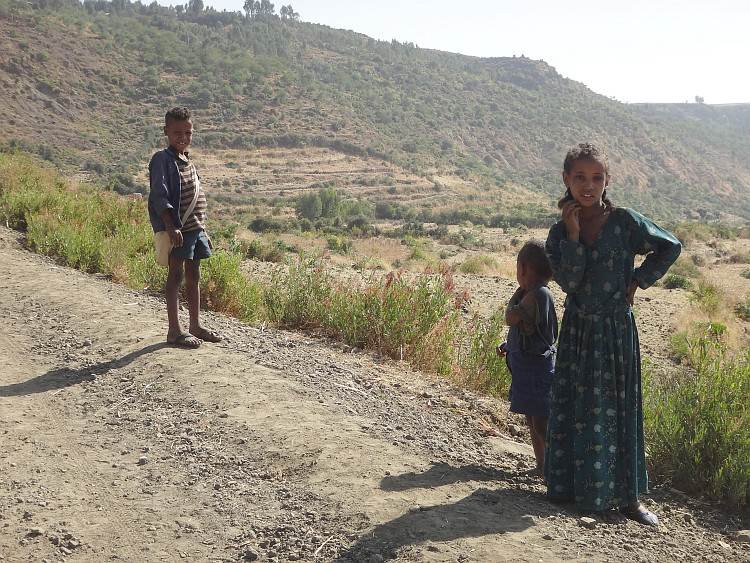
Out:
{"x": 86, "y": 85}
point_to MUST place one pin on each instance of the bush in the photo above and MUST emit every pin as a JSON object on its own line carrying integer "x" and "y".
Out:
{"x": 339, "y": 245}
{"x": 417, "y": 321}
{"x": 265, "y": 252}
{"x": 476, "y": 265}
{"x": 703, "y": 331}
{"x": 225, "y": 288}
{"x": 103, "y": 232}
{"x": 266, "y": 224}
{"x": 740, "y": 258}
{"x": 480, "y": 367}
{"x": 698, "y": 423}
{"x": 685, "y": 268}
{"x": 674, "y": 281}
{"x": 742, "y": 310}
{"x": 707, "y": 297}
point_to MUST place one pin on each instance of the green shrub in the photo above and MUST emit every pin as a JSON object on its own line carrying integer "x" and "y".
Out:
{"x": 703, "y": 331}
{"x": 106, "y": 233}
{"x": 339, "y": 245}
{"x": 685, "y": 268}
{"x": 479, "y": 366}
{"x": 265, "y": 252}
{"x": 225, "y": 288}
{"x": 745, "y": 273}
{"x": 476, "y": 264}
{"x": 414, "y": 320}
{"x": 742, "y": 310}
{"x": 698, "y": 423}
{"x": 674, "y": 281}
{"x": 707, "y": 297}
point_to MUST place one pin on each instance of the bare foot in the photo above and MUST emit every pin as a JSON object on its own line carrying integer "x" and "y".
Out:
{"x": 208, "y": 335}
{"x": 185, "y": 340}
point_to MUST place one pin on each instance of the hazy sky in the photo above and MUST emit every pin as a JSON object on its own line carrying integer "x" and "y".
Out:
{"x": 629, "y": 50}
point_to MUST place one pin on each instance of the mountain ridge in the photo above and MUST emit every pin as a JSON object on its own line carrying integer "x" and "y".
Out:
{"x": 101, "y": 75}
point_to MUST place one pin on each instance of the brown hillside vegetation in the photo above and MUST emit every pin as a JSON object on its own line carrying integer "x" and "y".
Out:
{"x": 86, "y": 88}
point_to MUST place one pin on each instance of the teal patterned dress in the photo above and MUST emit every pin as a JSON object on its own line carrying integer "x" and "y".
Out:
{"x": 595, "y": 452}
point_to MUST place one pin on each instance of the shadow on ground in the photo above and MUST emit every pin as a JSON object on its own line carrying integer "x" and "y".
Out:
{"x": 442, "y": 474}
{"x": 484, "y": 512}
{"x": 65, "y": 377}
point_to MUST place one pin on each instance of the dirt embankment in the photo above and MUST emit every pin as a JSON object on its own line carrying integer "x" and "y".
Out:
{"x": 270, "y": 446}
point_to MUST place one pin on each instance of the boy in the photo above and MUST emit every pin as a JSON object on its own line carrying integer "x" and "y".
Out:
{"x": 176, "y": 204}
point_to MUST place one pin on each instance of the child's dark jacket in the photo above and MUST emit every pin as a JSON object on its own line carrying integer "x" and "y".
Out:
{"x": 166, "y": 189}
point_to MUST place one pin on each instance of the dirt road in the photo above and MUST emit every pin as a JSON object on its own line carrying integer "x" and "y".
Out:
{"x": 270, "y": 446}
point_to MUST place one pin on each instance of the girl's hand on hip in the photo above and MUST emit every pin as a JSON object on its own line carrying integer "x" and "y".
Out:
{"x": 631, "y": 292}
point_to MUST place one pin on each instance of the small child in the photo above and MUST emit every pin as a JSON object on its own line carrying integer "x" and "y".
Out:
{"x": 530, "y": 350}
{"x": 176, "y": 204}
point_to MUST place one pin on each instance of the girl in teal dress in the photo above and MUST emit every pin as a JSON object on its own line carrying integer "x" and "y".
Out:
{"x": 595, "y": 453}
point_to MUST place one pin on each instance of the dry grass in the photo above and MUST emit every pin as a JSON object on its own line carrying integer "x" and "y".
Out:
{"x": 717, "y": 269}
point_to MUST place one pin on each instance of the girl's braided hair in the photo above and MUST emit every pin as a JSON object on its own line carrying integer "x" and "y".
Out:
{"x": 585, "y": 151}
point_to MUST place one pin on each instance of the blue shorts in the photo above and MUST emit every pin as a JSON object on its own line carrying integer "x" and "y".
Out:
{"x": 194, "y": 246}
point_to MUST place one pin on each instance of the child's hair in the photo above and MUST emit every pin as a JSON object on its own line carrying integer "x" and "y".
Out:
{"x": 533, "y": 255}
{"x": 178, "y": 114}
{"x": 585, "y": 151}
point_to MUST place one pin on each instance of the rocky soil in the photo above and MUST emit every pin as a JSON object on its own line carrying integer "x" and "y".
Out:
{"x": 273, "y": 446}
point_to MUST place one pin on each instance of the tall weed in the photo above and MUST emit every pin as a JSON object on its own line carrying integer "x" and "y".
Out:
{"x": 708, "y": 297}
{"x": 225, "y": 288}
{"x": 479, "y": 366}
{"x": 698, "y": 423}
{"x": 416, "y": 320}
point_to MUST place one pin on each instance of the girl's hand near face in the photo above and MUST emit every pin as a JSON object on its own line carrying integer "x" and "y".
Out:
{"x": 570, "y": 211}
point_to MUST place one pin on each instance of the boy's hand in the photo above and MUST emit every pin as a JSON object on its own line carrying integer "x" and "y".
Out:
{"x": 175, "y": 235}
{"x": 500, "y": 350}
{"x": 208, "y": 238}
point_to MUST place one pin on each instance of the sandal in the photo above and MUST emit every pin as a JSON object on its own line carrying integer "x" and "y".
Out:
{"x": 641, "y": 515}
{"x": 209, "y": 335}
{"x": 186, "y": 340}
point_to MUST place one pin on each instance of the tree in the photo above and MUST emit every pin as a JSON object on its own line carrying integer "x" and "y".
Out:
{"x": 251, "y": 7}
{"x": 266, "y": 8}
{"x": 330, "y": 200}
{"x": 288, "y": 13}
{"x": 258, "y": 9}
{"x": 699, "y": 99}
{"x": 309, "y": 206}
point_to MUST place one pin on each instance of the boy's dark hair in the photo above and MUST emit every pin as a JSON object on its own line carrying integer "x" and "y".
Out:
{"x": 178, "y": 114}
{"x": 585, "y": 151}
{"x": 533, "y": 255}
